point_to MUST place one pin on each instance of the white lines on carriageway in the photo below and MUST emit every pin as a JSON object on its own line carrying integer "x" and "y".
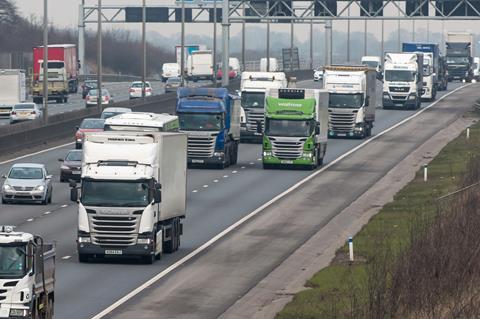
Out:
{"x": 216, "y": 181}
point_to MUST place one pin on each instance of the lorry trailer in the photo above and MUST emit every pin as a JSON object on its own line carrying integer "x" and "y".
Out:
{"x": 459, "y": 55}
{"x": 12, "y": 90}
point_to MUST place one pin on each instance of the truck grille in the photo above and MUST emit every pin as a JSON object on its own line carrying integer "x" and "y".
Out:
{"x": 403, "y": 89}
{"x": 341, "y": 122}
{"x": 114, "y": 230}
{"x": 201, "y": 145}
{"x": 253, "y": 118}
{"x": 287, "y": 149}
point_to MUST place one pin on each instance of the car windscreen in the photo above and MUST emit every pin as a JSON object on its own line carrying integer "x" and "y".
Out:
{"x": 24, "y": 107}
{"x": 94, "y": 93}
{"x": 173, "y": 80}
{"x": 74, "y": 156}
{"x": 26, "y": 173}
{"x": 92, "y": 124}
{"x": 139, "y": 85}
{"x": 457, "y": 59}
{"x": 200, "y": 122}
{"x": 371, "y": 64}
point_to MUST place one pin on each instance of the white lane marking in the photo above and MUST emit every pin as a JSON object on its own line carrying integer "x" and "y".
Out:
{"x": 195, "y": 191}
{"x": 66, "y": 257}
{"x": 232, "y": 227}
{"x": 205, "y": 186}
{"x": 234, "y": 172}
{"x": 36, "y": 153}
{"x": 251, "y": 163}
{"x": 259, "y": 159}
{"x": 215, "y": 180}
{"x": 225, "y": 176}
{"x": 47, "y": 213}
{"x": 243, "y": 167}
{"x": 30, "y": 220}
{"x": 63, "y": 206}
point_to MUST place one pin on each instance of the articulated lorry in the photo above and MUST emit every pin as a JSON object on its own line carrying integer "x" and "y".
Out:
{"x": 142, "y": 122}
{"x": 27, "y": 275}
{"x": 403, "y": 80}
{"x": 296, "y": 128}
{"x": 460, "y": 56}
{"x": 211, "y": 119}
{"x": 352, "y": 100}
{"x": 200, "y": 65}
{"x": 133, "y": 194}
{"x": 431, "y": 54}
{"x": 253, "y": 86}
{"x": 12, "y": 90}
{"x": 63, "y": 69}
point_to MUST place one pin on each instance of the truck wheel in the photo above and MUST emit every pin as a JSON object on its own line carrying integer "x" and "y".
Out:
{"x": 169, "y": 246}
{"x": 235, "y": 154}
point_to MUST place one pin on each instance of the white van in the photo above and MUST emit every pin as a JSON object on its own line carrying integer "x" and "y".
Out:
{"x": 200, "y": 65}
{"x": 170, "y": 70}
{"x": 274, "y": 66}
{"x": 476, "y": 68}
{"x": 234, "y": 64}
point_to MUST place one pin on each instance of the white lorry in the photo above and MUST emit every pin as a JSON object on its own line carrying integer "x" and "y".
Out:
{"x": 170, "y": 70}
{"x": 374, "y": 62}
{"x": 27, "y": 275}
{"x": 273, "y": 67}
{"x": 476, "y": 68}
{"x": 133, "y": 194}
{"x": 403, "y": 80}
{"x": 352, "y": 100}
{"x": 143, "y": 122}
{"x": 12, "y": 90}
{"x": 200, "y": 65}
{"x": 253, "y": 86}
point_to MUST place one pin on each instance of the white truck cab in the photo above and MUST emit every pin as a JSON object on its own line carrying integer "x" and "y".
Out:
{"x": 429, "y": 78}
{"x": 374, "y": 62}
{"x": 476, "y": 68}
{"x": 403, "y": 80}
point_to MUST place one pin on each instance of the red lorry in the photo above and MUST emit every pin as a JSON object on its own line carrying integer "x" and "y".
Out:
{"x": 63, "y": 68}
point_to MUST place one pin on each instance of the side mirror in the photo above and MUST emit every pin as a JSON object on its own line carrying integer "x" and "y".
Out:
{"x": 367, "y": 101}
{"x": 157, "y": 196}
{"x": 259, "y": 127}
{"x": 317, "y": 129}
{"x": 61, "y": 160}
{"x": 72, "y": 183}
{"x": 77, "y": 127}
{"x": 4, "y": 176}
{"x": 74, "y": 194}
{"x": 158, "y": 186}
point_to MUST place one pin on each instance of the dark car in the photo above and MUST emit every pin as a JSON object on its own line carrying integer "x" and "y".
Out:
{"x": 87, "y": 125}
{"x": 71, "y": 166}
{"x": 87, "y": 86}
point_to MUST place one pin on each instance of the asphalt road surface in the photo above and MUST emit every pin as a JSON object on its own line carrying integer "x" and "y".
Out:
{"x": 216, "y": 199}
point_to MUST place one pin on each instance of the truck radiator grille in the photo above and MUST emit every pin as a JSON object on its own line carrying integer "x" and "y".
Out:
{"x": 403, "y": 89}
{"x": 114, "y": 230}
{"x": 201, "y": 146}
{"x": 288, "y": 150}
{"x": 341, "y": 122}
{"x": 253, "y": 119}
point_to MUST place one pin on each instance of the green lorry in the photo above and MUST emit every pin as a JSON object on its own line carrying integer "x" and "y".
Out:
{"x": 296, "y": 128}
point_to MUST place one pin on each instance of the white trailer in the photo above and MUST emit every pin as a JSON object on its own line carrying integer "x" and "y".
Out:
{"x": 12, "y": 90}
{"x": 27, "y": 267}
{"x": 142, "y": 122}
{"x": 200, "y": 65}
{"x": 133, "y": 194}
{"x": 352, "y": 101}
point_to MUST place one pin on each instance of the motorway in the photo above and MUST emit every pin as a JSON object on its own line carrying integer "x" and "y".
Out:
{"x": 216, "y": 199}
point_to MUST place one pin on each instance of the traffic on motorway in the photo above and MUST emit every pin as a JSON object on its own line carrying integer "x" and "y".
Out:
{"x": 127, "y": 171}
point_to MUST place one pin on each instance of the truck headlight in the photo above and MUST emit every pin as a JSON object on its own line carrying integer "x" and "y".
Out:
{"x": 218, "y": 154}
{"x": 145, "y": 241}
{"x": 18, "y": 312}
{"x": 84, "y": 240}
{"x": 267, "y": 153}
{"x": 411, "y": 97}
{"x": 386, "y": 95}
{"x": 64, "y": 167}
{"x": 307, "y": 154}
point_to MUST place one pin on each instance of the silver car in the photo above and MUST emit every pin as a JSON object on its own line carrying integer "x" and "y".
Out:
{"x": 25, "y": 112}
{"x": 27, "y": 183}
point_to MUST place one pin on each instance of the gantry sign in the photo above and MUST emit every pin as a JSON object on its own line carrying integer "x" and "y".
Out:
{"x": 260, "y": 11}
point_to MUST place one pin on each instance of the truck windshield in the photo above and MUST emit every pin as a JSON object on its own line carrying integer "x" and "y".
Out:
{"x": 457, "y": 60}
{"x": 253, "y": 99}
{"x": 54, "y": 65}
{"x": 399, "y": 76}
{"x": 347, "y": 101}
{"x": 13, "y": 261}
{"x": 200, "y": 122}
{"x": 115, "y": 193}
{"x": 289, "y": 128}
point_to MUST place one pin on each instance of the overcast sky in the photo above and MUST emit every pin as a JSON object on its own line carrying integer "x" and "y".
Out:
{"x": 65, "y": 13}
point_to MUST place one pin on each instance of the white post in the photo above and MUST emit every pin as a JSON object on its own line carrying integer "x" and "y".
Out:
{"x": 425, "y": 172}
{"x": 468, "y": 132}
{"x": 350, "y": 248}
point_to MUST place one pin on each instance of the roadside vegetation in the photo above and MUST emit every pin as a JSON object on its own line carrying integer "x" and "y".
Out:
{"x": 418, "y": 257}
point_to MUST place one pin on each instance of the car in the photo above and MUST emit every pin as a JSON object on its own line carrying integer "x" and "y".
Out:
{"x": 91, "y": 99}
{"x": 27, "y": 183}
{"x": 87, "y": 125}
{"x": 71, "y": 166}
{"x": 112, "y": 111}
{"x": 87, "y": 86}
{"x": 317, "y": 75}
{"x": 25, "y": 112}
{"x": 135, "y": 90}
{"x": 173, "y": 84}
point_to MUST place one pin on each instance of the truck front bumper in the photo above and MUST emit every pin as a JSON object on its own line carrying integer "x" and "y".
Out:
{"x": 356, "y": 133}
{"x": 217, "y": 159}
{"x": 405, "y": 103}
{"x": 128, "y": 251}
{"x": 273, "y": 161}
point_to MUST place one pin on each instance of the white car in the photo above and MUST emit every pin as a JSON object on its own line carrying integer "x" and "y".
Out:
{"x": 91, "y": 98}
{"x": 25, "y": 112}
{"x": 135, "y": 90}
{"x": 317, "y": 75}
{"x": 113, "y": 111}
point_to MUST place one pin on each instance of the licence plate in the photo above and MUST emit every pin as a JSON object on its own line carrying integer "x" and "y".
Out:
{"x": 197, "y": 161}
{"x": 341, "y": 134}
{"x": 23, "y": 113}
{"x": 256, "y": 133}
{"x": 113, "y": 252}
{"x": 76, "y": 172}
{"x": 286, "y": 162}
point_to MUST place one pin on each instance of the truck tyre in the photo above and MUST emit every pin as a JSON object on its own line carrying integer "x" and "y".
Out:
{"x": 174, "y": 242}
{"x": 235, "y": 154}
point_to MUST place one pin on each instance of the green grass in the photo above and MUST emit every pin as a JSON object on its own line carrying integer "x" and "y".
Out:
{"x": 388, "y": 232}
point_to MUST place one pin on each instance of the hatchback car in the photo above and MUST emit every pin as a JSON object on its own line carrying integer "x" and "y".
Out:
{"x": 25, "y": 112}
{"x": 87, "y": 86}
{"x": 27, "y": 183}
{"x": 87, "y": 125}
{"x": 91, "y": 99}
{"x": 317, "y": 75}
{"x": 71, "y": 166}
{"x": 173, "y": 84}
{"x": 135, "y": 90}
{"x": 112, "y": 111}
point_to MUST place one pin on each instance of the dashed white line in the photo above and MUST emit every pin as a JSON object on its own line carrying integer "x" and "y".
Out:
{"x": 234, "y": 172}
{"x": 66, "y": 257}
{"x": 251, "y": 163}
{"x": 243, "y": 167}
{"x": 259, "y": 159}
{"x": 47, "y": 213}
{"x": 30, "y": 220}
{"x": 215, "y": 180}
{"x": 225, "y": 176}
{"x": 195, "y": 191}
{"x": 63, "y": 206}
{"x": 205, "y": 186}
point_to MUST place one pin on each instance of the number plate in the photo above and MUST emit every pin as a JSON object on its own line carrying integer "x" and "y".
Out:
{"x": 341, "y": 134}
{"x": 286, "y": 162}
{"x": 197, "y": 161}
{"x": 113, "y": 252}
{"x": 76, "y": 172}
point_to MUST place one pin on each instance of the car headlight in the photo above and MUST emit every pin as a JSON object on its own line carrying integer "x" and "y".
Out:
{"x": 6, "y": 187}
{"x": 40, "y": 188}
{"x": 144, "y": 241}
{"x": 18, "y": 312}
{"x": 64, "y": 167}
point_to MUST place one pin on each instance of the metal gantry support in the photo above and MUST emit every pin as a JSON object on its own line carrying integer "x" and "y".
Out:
{"x": 144, "y": 48}
{"x": 45, "y": 63}
{"x": 81, "y": 39}
{"x": 99, "y": 56}
{"x": 225, "y": 42}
